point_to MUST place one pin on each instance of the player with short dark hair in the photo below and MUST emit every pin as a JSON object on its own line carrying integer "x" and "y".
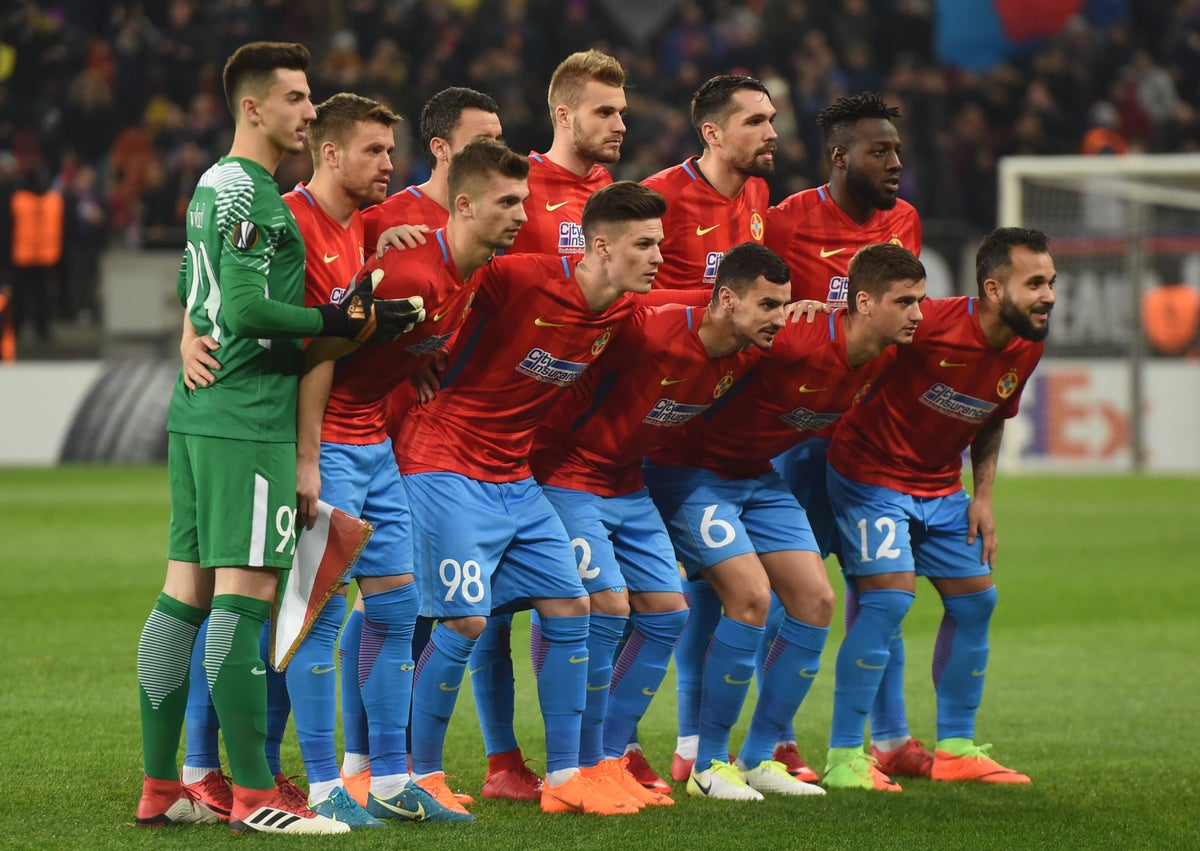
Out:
{"x": 817, "y": 231}
{"x": 536, "y": 324}
{"x": 232, "y": 446}
{"x": 718, "y": 199}
{"x": 449, "y": 119}
{"x": 345, "y": 456}
{"x": 895, "y": 485}
{"x": 666, "y": 367}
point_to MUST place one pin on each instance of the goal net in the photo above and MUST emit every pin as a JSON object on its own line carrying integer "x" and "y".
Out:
{"x": 1118, "y": 387}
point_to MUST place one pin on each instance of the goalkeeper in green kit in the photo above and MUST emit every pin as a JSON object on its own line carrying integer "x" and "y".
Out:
{"x": 232, "y": 446}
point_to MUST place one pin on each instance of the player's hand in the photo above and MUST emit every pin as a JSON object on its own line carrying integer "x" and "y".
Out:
{"x": 198, "y": 364}
{"x": 308, "y": 490}
{"x": 401, "y": 237}
{"x": 981, "y": 523}
{"x": 364, "y": 319}
{"x": 806, "y": 307}
{"x": 427, "y": 379}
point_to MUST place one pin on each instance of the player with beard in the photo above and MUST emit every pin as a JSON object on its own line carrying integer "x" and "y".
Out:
{"x": 715, "y": 201}
{"x": 895, "y": 485}
{"x": 587, "y": 109}
{"x": 718, "y": 199}
{"x": 586, "y": 98}
{"x": 817, "y": 231}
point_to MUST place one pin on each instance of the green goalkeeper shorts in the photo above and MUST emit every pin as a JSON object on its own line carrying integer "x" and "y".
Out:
{"x": 233, "y": 502}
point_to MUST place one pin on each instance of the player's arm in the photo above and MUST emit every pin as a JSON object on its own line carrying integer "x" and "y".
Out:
{"x": 320, "y": 356}
{"x": 198, "y": 364}
{"x": 985, "y": 450}
{"x": 250, "y": 313}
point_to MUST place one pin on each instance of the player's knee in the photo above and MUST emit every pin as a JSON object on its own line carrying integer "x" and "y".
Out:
{"x": 471, "y": 627}
{"x": 971, "y": 608}
{"x": 610, "y": 602}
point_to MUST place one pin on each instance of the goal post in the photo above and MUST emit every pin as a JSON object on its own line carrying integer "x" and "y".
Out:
{"x": 1122, "y": 229}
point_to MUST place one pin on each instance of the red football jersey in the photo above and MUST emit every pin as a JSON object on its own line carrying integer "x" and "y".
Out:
{"x": 332, "y": 253}
{"x": 555, "y": 207}
{"x": 363, "y": 379}
{"x": 529, "y": 337}
{"x": 701, "y": 224}
{"x": 408, "y": 207}
{"x": 655, "y": 376}
{"x": 910, "y": 432}
{"x": 817, "y": 239}
{"x": 798, "y": 390}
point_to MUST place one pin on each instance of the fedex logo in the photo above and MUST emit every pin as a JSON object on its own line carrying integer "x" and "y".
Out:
{"x": 570, "y": 238}
{"x": 712, "y": 261}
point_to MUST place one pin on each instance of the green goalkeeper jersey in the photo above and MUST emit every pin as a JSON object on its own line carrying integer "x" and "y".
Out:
{"x": 241, "y": 281}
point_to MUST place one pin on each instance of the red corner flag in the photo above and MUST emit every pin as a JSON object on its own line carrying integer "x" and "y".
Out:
{"x": 324, "y": 555}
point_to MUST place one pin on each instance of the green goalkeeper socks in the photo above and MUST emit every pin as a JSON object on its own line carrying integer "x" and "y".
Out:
{"x": 237, "y": 679}
{"x": 164, "y": 652}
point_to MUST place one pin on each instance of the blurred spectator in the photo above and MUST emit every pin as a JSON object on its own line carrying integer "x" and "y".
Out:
{"x": 1102, "y": 136}
{"x": 85, "y": 228}
{"x": 37, "y": 241}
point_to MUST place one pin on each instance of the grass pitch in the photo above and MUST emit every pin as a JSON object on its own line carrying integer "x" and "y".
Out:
{"x": 1092, "y": 689}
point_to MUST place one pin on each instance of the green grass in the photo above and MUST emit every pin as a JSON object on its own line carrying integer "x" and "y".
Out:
{"x": 1092, "y": 689}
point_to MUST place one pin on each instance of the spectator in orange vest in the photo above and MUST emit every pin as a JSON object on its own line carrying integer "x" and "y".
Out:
{"x": 1171, "y": 319}
{"x": 37, "y": 241}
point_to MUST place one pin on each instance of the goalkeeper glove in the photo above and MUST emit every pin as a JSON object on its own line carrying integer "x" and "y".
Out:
{"x": 363, "y": 318}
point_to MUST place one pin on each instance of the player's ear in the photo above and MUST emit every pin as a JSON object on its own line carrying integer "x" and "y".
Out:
{"x": 711, "y": 133}
{"x": 562, "y": 116}
{"x": 329, "y": 154}
{"x": 600, "y": 246}
{"x": 462, "y": 206}
{"x": 993, "y": 289}
{"x": 440, "y": 149}
{"x": 249, "y": 108}
{"x": 837, "y": 156}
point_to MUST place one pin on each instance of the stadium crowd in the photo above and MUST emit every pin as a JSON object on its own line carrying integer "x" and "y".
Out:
{"x": 117, "y": 105}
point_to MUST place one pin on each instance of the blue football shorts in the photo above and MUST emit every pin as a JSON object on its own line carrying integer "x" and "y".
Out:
{"x": 803, "y": 470}
{"x": 487, "y": 548}
{"x": 364, "y": 481}
{"x": 619, "y": 541}
{"x": 885, "y": 531}
{"x": 711, "y": 519}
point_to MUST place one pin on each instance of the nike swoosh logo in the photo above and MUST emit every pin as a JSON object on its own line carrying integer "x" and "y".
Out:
{"x": 702, "y": 231}
{"x": 649, "y": 693}
{"x": 329, "y": 259}
{"x": 804, "y": 388}
{"x": 825, "y": 253}
{"x": 575, "y": 661}
{"x": 603, "y": 687}
{"x": 445, "y": 687}
{"x": 947, "y": 364}
{"x": 541, "y": 323}
{"x": 804, "y": 673}
{"x": 703, "y": 789}
{"x": 437, "y": 317}
{"x": 317, "y": 669}
{"x": 415, "y": 815}
{"x": 867, "y": 667}
{"x": 667, "y": 382}
{"x": 734, "y": 682}
{"x": 259, "y": 672}
{"x": 471, "y": 673}
{"x": 550, "y": 208}
{"x": 977, "y": 673}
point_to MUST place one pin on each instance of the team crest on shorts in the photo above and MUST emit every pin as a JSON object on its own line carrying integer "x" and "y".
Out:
{"x": 244, "y": 235}
{"x": 601, "y": 342}
{"x": 1007, "y": 384}
{"x": 724, "y": 384}
{"x": 756, "y": 226}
